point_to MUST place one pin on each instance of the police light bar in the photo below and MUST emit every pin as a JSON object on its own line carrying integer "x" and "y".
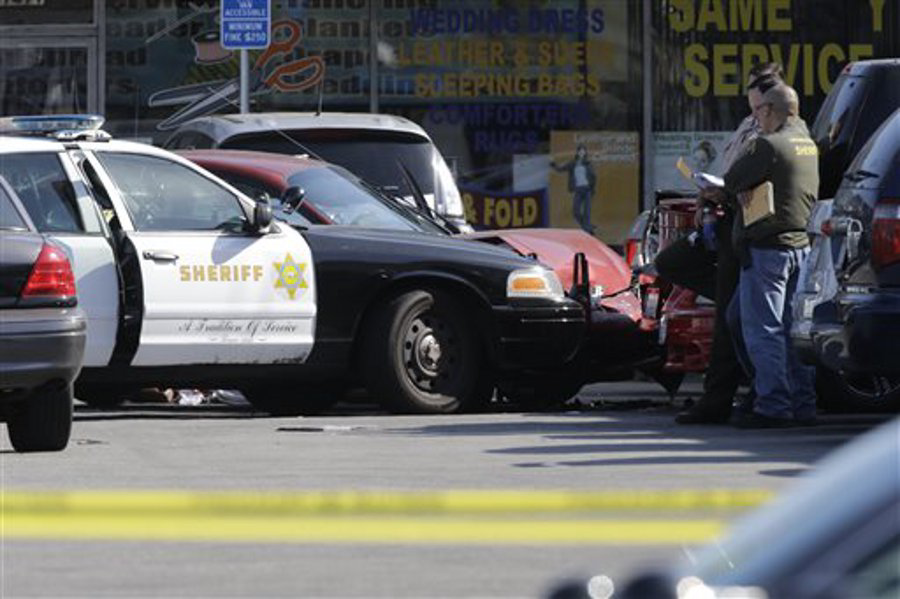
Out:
{"x": 61, "y": 126}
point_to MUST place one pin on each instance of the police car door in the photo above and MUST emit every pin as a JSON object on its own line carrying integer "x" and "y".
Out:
{"x": 214, "y": 291}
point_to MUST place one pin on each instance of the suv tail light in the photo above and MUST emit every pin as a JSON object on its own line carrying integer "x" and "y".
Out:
{"x": 51, "y": 277}
{"x": 886, "y": 233}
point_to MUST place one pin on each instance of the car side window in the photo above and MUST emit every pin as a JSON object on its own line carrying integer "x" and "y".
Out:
{"x": 249, "y": 187}
{"x": 163, "y": 195}
{"x": 44, "y": 189}
{"x": 190, "y": 140}
{"x": 10, "y": 219}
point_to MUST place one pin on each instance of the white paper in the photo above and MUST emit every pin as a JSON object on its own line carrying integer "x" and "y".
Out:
{"x": 707, "y": 181}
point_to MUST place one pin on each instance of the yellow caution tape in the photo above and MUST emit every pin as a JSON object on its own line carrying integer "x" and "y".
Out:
{"x": 473, "y": 517}
{"x": 361, "y": 530}
{"x": 390, "y": 502}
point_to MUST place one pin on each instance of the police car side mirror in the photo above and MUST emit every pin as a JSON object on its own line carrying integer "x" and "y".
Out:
{"x": 292, "y": 198}
{"x": 262, "y": 215}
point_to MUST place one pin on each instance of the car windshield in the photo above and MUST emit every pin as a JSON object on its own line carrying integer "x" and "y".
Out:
{"x": 345, "y": 200}
{"x": 839, "y": 111}
{"x": 373, "y": 155}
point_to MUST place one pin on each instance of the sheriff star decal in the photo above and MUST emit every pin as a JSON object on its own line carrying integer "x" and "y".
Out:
{"x": 290, "y": 275}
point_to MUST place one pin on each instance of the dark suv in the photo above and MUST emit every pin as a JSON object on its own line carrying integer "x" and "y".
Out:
{"x": 857, "y": 333}
{"x": 864, "y": 96}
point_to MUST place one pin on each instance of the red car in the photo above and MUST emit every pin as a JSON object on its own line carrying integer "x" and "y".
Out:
{"x": 329, "y": 194}
{"x": 681, "y": 320}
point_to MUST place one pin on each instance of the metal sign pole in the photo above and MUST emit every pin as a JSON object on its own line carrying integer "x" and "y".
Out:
{"x": 245, "y": 24}
{"x": 647, "y": 116}
{"x": 245, "y": 82}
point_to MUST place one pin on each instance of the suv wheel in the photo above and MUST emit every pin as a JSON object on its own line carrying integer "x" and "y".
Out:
{"x": 857, "y": 392}
{"x": 43, "y": 422}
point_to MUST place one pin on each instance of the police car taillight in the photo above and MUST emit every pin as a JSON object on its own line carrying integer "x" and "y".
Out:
{"x": 51, "y": 277}
{"x": 60, "y": 126}
{"x": 886, "y": 232}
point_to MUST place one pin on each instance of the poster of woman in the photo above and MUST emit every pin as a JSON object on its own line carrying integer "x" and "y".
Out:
{"x": 593, "y": 183}
{"x": 582, "y": 182}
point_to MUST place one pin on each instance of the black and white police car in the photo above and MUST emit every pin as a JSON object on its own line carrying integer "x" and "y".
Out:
{"x": 187, "y": 282}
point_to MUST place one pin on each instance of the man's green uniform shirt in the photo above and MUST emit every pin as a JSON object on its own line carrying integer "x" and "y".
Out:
{"x": 789, "y": 159}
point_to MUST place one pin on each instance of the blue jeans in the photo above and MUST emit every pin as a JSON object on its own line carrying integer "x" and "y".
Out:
{"x": 760, "y": 317}
{"x": 581, "y": 208}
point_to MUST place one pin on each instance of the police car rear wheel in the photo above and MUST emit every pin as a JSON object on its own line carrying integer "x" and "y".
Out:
{"x": 423, "y": 356}
{"x": 43, "y": 422}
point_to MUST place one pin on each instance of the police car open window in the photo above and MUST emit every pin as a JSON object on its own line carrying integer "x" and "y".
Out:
{"x": 44, "y": 189}
{"x": 162, "y": 195}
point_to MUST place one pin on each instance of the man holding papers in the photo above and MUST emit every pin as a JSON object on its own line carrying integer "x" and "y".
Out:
{"x": 715, "y": 273}
{"x": 775, "y": 181}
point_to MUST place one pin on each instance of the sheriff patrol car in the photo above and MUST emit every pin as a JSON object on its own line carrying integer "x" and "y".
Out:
{"x": 187, "y": 282}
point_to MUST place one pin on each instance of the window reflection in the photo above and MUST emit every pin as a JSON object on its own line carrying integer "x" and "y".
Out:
{"x": 43, "y": 80}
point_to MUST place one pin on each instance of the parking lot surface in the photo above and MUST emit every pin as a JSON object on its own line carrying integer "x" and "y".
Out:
{"x": 218, "y": 500}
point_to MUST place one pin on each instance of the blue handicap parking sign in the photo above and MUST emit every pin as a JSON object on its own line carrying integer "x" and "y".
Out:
{"x": 245, "y": 23}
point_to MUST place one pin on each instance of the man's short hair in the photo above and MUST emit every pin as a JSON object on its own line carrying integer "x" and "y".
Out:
{"x": 764, "y": 74}
{"x": 783, "y": 98}
{"x": 766, "y": 68}
{"x": 764, "y": 83}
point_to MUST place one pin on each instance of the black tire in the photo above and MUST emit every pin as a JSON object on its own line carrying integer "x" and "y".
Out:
{"x": 103, "y": 396}
{"x": 422, "y": 355}
{"x": 290, "y": 399}
{"x": 43, "y": 422}
{"x": 545, "y": 393}
{"x": 846, "y": 392}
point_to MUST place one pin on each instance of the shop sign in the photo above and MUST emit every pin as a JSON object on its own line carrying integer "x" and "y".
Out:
{"x": 505, "y": 210}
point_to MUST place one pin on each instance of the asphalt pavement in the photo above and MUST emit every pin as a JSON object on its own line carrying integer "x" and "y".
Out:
{"x": 161, "y": 500}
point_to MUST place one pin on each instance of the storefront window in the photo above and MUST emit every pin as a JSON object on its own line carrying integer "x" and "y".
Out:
{"x": 509, "y": 92}
{"x": 46, "y": 12}
{"x": 43, "y": 80}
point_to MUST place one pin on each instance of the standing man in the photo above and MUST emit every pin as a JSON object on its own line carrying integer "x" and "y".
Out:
{"x": 771, "y": 252}
{"x": 715, "y": 275}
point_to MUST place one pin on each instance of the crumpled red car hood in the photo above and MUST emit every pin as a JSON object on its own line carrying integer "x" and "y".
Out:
{"x": 557, "y": 247}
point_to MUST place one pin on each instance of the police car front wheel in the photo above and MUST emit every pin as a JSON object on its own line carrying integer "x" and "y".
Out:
{"x": 423, "y": 355}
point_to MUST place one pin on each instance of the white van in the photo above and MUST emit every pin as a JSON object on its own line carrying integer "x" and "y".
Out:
{"x": 375, "y": 147}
